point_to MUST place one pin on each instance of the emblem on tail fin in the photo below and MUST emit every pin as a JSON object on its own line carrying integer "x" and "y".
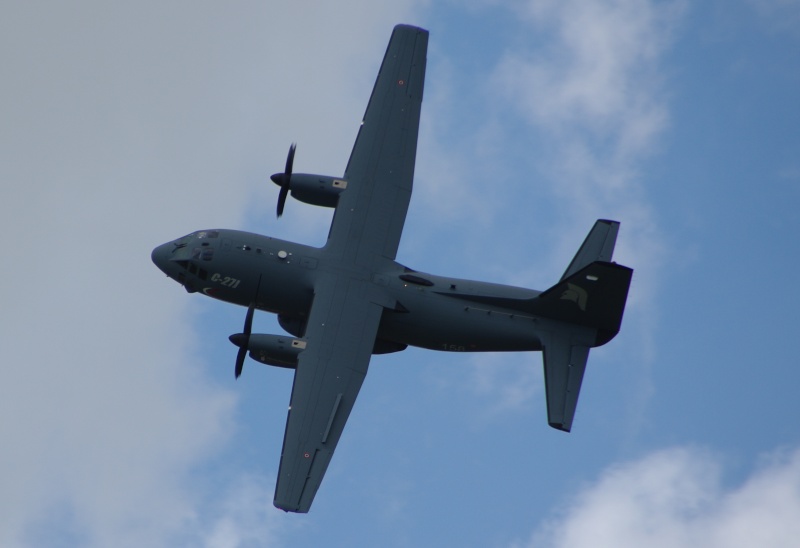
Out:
{"x": 576, "y": 294}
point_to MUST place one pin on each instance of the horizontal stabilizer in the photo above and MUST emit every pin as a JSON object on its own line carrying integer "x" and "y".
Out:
{"x": 598, "y": 246}
{"x": 565, "y": 353}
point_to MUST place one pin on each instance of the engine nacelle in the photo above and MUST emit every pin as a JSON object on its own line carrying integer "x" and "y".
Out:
{"x": 319, "y": 190}
{"x": 292, "y": 325}
{"x": 276, "y": 350}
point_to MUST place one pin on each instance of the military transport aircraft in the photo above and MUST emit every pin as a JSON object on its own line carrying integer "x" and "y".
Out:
{"x": 349, "y": 299}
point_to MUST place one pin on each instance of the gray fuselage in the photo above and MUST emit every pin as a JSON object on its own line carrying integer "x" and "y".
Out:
{"x": 434, "y": 312}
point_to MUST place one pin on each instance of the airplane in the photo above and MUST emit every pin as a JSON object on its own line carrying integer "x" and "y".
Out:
{"x": 349, "y": 299}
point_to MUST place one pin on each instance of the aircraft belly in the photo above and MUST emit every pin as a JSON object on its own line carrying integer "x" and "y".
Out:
{"x": 454, "y": 326}
{"x": 292, "y": 300}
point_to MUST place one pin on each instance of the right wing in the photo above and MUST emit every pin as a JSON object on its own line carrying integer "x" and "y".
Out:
{"x": 340, "y": 335}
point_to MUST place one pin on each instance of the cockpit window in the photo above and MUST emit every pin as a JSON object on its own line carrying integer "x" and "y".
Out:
{"x": 192, "y": 269}
{"x": 208, "y": 234}
{"x": 202, "y": 253}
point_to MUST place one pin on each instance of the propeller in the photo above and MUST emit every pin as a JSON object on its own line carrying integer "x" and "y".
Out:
{"x": 242, "y": 340}
{"x": 284, "y": 179}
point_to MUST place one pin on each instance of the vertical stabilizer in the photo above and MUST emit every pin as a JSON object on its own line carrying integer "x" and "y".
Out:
{"x": 598, "y": 246}
{"x": 583, "y": 310}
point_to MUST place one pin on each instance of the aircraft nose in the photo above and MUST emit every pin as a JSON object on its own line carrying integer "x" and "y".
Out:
{"x": 160, "y": 256}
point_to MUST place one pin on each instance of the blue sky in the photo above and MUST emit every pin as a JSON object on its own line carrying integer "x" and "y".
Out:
{"x": 125, "y": 126}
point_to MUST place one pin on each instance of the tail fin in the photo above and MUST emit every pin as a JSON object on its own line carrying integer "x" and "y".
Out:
{"x": 598, "y": 246}
{"x": 593, "y": 297}
{"x": 585, "y": 308}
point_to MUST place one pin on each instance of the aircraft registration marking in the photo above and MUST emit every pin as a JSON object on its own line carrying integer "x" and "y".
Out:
{"x": 454, "y": 347}
{"x": 226, "y": 281}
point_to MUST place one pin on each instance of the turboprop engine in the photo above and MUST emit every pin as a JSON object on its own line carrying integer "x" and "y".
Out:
{"x": 320, "y": 190}
{"x": 276, "y": 350}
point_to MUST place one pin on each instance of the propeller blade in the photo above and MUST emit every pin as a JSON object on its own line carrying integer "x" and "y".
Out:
{"x": 248, "y": 319}
{"x": 290, "y": 159}
{"x": 245, "y": 341}
{"x": 285, "y": 179}
{"x": 240, "y": 360}
{"x": 242, "y": 340}
{"x": 282, "y": 199}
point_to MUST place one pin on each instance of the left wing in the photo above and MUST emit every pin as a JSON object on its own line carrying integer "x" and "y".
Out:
{"x": 371, "y": 212}
{"x": 340, "y": 335}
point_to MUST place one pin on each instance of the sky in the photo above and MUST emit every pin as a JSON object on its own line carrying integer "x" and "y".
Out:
{"x": 126, "y": 125}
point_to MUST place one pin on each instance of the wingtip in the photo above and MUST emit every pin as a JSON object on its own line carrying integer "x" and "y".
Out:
{"x": 287, "y": 508}
{"x": 406, "y": 26}
{"x": 560, "y": 426}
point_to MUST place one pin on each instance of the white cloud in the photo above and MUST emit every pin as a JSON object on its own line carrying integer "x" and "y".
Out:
{"x": 246, "y": 517}
{"x": 122, "y": 127}
{"x": 591, "y": 88}
{"x": 676, "y": 498}
{"x": 596, "y": 90}
{"x": 590, "y": 75}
